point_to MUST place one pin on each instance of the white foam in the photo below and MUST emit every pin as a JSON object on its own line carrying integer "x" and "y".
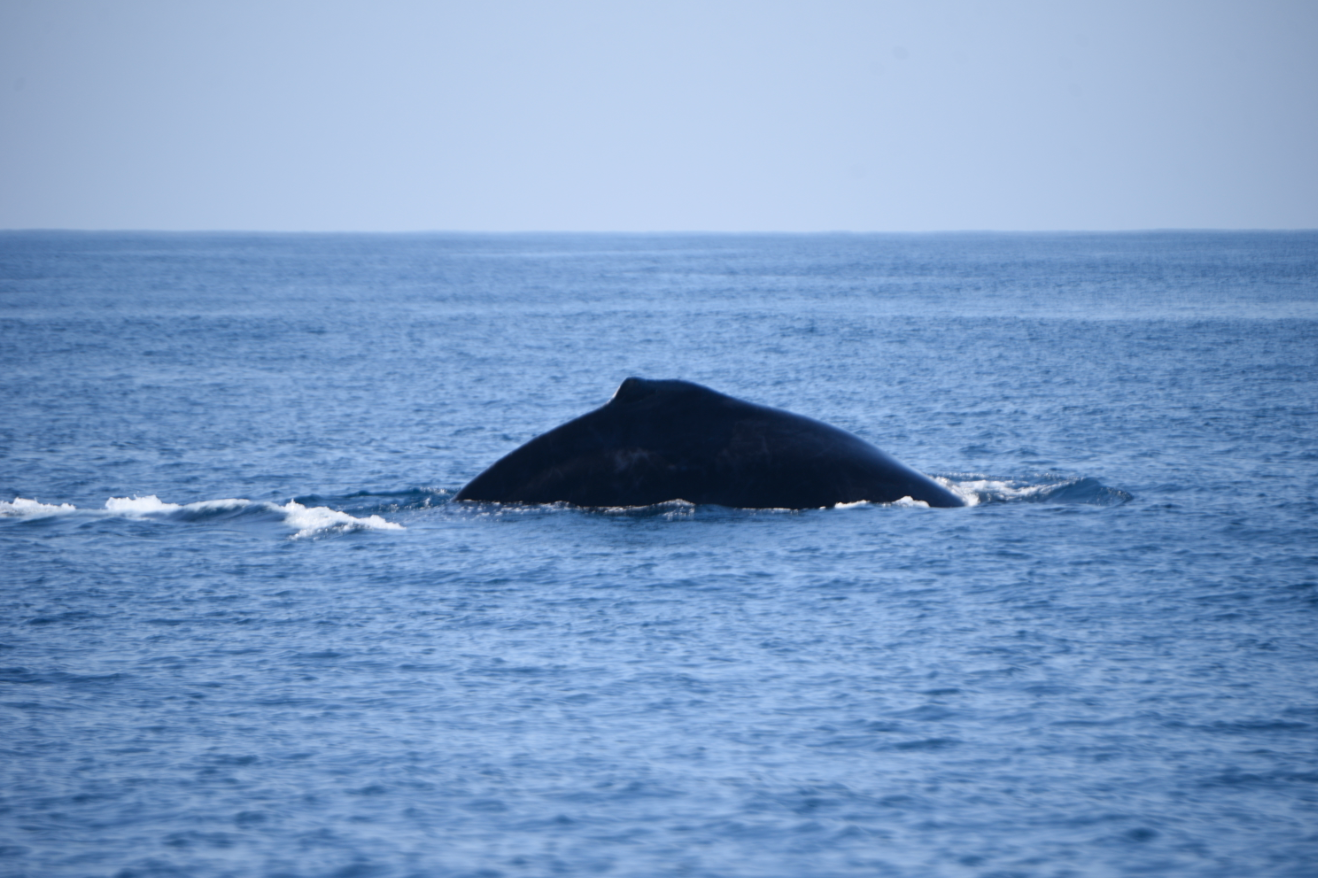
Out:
{"x": 976, "y": 491}
{"x": 678, "y": 505}
{"x": 973, "y": 491}
{"x": 140, "y": 505}
{"x": 903, "y": 503}
{"x": 317, "y": 519}
{"x": 216, "y": 505}
{"x": 153, "y": 505}
{"x": 21, "y": 508}
{"x": 307, "y": 521}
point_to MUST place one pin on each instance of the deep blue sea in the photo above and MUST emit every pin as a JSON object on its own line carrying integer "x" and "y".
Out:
{"x": 244, "y": 631}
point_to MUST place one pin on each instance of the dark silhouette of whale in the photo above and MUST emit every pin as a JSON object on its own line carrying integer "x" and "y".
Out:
{"x": 674, "y": 440}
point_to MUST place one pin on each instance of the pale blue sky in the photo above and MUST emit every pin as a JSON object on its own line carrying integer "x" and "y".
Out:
{"x": 639, "y": 116}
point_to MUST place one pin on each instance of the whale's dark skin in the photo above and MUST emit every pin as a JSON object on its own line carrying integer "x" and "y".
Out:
{"x": 674, "y": 440}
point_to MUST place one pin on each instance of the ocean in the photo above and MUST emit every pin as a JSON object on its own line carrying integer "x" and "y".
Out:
{"x": 246, "y": 631}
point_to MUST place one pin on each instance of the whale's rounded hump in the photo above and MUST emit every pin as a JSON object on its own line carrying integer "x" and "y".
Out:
{"x": 658, "y": 440}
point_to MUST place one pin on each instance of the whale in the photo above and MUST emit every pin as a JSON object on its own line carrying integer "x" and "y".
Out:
{"x": 656, "y": 441}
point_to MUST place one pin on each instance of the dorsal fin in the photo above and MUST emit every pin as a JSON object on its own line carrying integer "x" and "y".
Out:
{"x": 635, "y": 389}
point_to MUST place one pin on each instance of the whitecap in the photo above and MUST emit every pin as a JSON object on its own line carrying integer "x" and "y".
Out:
{"x": 217, "y": 505}
{"x": 23, "y": 508}
{"x": 902, "y": 503}
{"x": 317, "y": 519}
{"x": 1085, "y": 491}
{"x": 305, "y": 520}
{"x": 139, "y": 505}
{"x": 153, "y": 505}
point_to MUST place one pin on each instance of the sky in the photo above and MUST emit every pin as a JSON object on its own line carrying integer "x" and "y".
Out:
{"x": 630, "y": 115}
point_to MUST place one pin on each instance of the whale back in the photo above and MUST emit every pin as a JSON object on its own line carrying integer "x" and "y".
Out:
{"x": 656, "y": 441}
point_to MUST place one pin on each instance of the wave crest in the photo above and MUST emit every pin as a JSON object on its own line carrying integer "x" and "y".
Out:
{"x": 1084, "y": 491}
{"x": 21, "y": 508}
{"x": 306, "y": 520}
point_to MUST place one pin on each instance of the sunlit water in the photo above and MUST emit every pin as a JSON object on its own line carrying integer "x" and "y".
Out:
{"x": 244, "y": 631}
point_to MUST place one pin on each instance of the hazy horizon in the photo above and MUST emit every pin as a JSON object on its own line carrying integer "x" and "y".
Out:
{"x": 735, "y": 117}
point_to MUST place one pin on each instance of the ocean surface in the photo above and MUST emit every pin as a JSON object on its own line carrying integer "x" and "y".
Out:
{"x": 245, "y": 631}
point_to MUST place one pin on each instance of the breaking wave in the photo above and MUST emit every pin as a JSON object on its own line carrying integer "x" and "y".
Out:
{"x": 981, "y": 491}
{"x": 21, "y": 508}
{"x": 315, "y": 515}
{"x": 306, "y": 520}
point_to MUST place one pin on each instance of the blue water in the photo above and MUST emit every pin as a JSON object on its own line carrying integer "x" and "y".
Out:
{"x": 244, "y": 631}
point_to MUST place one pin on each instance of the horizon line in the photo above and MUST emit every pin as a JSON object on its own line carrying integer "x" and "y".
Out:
{"x": 258, "y": 231}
